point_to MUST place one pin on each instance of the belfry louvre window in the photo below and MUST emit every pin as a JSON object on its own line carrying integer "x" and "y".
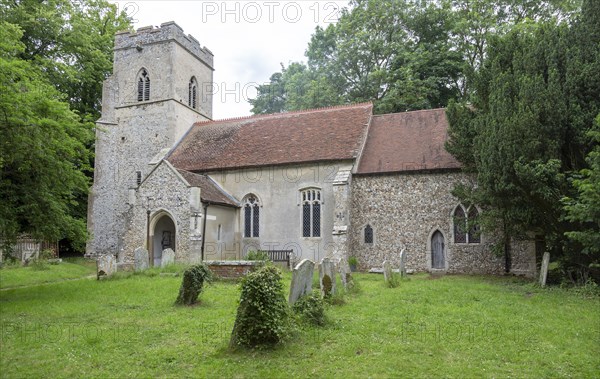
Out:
{"x": 143, "y": 89}
{"x": 193, "y": 93}
{"x": 311, "y": 212}
{"x": 251, "y": 217}
{"x": 466, "y": 225}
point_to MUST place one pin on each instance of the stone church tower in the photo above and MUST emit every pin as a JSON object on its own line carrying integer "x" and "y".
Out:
{"x": 161, "y": 85}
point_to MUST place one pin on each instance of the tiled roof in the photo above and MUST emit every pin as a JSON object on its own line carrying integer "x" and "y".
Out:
{"x": 409, "y": 141}
{"x": 209, "y": 190}
{"x": 324, "y": 134}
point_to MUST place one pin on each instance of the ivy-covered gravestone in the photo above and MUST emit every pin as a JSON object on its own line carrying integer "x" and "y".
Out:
{"x": 192, "y": 284}
{"x": 262, "y": 316}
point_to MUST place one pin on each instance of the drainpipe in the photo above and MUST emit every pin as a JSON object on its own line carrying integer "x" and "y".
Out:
{"x": 206, "y": 204}
{"x": 148, "y": 236}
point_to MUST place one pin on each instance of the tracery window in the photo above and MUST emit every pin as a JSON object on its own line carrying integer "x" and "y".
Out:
{"x": 251, "y": 217}
{"x": 311, "y": 212}
{"x": 466, "y": 225}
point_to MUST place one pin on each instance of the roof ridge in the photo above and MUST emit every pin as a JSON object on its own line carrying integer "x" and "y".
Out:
{"x": 274, "y": 115}
{"x": 405, "y": 112}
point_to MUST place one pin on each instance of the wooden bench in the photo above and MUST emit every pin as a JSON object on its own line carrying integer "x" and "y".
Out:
{"x": 279, "y": 255}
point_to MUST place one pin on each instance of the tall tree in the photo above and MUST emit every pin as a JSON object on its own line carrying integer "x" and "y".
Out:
{"x": 524, "y": 132}
{"x": 72, "y": 42}
{"x": 54, "y": 54}
{"x": 43, "y": 157}
{"x": 404, "y": 54}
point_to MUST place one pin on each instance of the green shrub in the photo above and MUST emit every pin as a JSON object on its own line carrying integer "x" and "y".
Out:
{"x": 394, "y": 280}
{"x": 192, "y": 284}
{"x": 311, "y": 309}
{"x": 262, "y": 315}
{"x": 257, "y": 256}
{"x": 47, "y": 254}
{"x": 38, "y": 264}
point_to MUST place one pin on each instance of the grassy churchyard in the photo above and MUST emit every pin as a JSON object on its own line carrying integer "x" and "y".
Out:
{"x": 450, "y": 326}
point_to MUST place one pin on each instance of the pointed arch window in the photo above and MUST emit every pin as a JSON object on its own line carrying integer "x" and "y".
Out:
{"x": 368, "y": 234}
{"x": 460, "y": 225}
{"x": 311, "y": 212}
{"x": 474, "y": 234}
{"x": 193, "y": 93}
{"x": 143, "y": 83}
{"x": 251, "y": 217}
{"x": 466, "y": 225}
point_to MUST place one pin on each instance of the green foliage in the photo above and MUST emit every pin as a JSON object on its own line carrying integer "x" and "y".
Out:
{"x": 400, "y": 54}
{"x": 523, "y": 134}
{"x": 259, "y": 255}
{"x": 584, "y": 209}
{"x": 54, "y": 56}
{"x": 193, "y": 283}
{"x": 394, "y": 280}
{"x": 311, "y": 309}
{"x": 353, "y": 261}
{"x": 262, "y": 315}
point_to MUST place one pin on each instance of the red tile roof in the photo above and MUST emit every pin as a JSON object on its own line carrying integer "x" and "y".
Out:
{"x": 209, "y": 190}
{"x": 324, "y": 134}
{"x": 409, "y": 141}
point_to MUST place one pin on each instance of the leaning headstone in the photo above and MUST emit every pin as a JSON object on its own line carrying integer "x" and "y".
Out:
{"x": 402, "y": 263}
{"x": 343, "y": 269}
{"x": 168, "y": 257}
{"x": 387, "y": 271}
{"x": 327, "y": 277}
{"x": 302, "y": 277}
{"x": 544, "y": 269}
{"x": 140, "y": 259}
{"x": 106, "y": 265}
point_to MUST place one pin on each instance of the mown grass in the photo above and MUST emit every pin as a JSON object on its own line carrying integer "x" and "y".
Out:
{"x": 71, "y": 268}
{"x": 453, "y": 326}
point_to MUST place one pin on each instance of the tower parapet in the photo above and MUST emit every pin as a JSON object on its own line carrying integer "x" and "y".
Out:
{"x": 168, "y": 31}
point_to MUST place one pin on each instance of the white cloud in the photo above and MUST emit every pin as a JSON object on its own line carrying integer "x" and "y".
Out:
{"x": 249, "y": 39}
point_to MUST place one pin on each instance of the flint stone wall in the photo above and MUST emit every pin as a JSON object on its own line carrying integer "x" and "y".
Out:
{"x": 404, "y": 211}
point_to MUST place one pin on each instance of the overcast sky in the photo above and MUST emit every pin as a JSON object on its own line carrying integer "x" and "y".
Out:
{"x": 249, "y": 39}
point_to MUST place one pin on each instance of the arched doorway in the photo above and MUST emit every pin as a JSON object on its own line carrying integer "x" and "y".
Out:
{"x": 163, "y": 236}
{"x": 438, "y": 251}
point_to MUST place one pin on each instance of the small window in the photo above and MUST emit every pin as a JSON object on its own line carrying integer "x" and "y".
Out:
{"x": 193, "y": 93}
{"x": 311, "y": 212}
{"x": 143, "y": 89}
{"x": 138, "y": 177}
{"x": 219, "y": 233}
{"x": 368, "y": 234}
{"x": 251, "y": 217}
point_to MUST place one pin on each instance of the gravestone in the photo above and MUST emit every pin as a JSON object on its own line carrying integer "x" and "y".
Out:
{"x": 544, "y": 269}
{"x": 302, "y": 277}
{"x": 168, "y": 257}
{"x": 343, "y": 269}
{"x": 327, "y": 277}
{"x": 140, "y": 259}
{"x": 106, "y": 265}
{"x": 402, "y": 263}
{"x": 387, "y": 271}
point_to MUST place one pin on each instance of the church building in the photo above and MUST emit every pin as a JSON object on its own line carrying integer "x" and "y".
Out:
{"x": 331, "y": 182}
